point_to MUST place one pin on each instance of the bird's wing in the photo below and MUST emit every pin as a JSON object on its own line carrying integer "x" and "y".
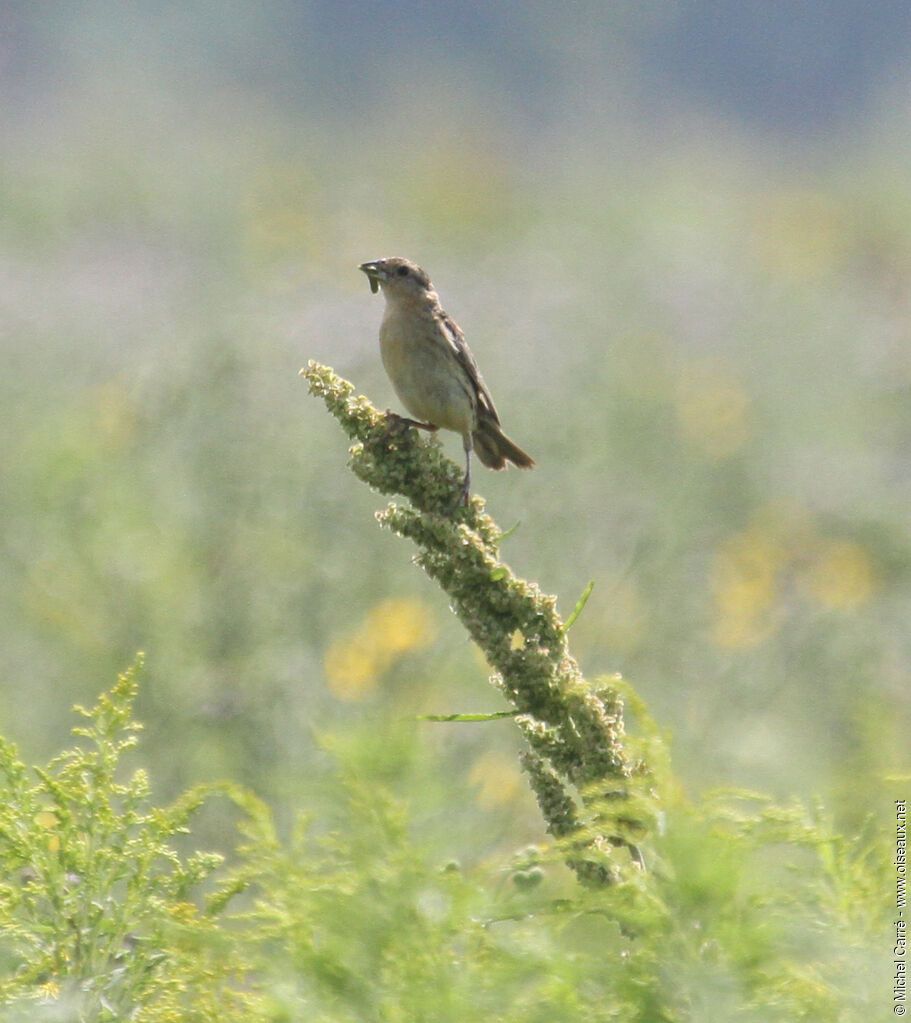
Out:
{"x": 466, "y": 360}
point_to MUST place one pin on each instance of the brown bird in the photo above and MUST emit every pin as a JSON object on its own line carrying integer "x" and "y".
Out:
{"x": 432, "y": 369}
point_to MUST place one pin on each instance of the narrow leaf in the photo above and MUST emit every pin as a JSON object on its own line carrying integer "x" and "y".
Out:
{"x": 580, "y": 603}
{"x": 509, "y": 531}
{"x": 468, "y": 717}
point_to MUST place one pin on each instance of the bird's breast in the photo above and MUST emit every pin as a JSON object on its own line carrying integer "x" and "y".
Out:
{"x": 423, "y": 369}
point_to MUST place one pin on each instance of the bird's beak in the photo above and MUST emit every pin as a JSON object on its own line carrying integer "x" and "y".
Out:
{"x": 375, "y": 273}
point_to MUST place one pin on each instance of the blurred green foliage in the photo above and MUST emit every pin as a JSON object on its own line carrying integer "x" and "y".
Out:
{"x": 701, "y": 335}
{"x": 750, "y": 912}
{"x": 711, "y": 375}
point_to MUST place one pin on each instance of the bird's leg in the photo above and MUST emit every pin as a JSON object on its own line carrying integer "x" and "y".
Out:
{"x": 466, "y": 484}
{"x": 395, "y": 423}
{"x": 398, "y": 424}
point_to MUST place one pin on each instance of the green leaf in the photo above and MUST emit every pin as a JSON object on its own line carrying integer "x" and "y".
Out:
{"x": 512, "y": 529}
{"x": 494, "y": 716}
{"x": 580, "y": 603}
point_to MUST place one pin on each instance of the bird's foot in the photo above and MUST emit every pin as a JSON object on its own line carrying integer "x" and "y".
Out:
{"x": 396, "y": 424}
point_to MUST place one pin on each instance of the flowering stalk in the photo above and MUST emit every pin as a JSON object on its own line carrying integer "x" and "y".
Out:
{"x": 596, "y": 799}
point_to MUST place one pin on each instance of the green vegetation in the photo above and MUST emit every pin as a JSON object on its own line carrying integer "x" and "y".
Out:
{"x": 574, "y": 730}
{"x": 750, "y": 911}
{"x": 698, "y": 330}
{"x": 746, "y": 911}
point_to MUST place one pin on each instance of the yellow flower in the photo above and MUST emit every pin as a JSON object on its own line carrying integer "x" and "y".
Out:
{"x": 398, "y": 626}
{"x": 841, "y": 576}
{"x": 49, "y": 991}
{"x": 751, "y": 570}
{"x": 354, "y": 663}
{"x": 351, "y": 670}
{"x": 744, "y": 585}
{"x": 48, "y": 820}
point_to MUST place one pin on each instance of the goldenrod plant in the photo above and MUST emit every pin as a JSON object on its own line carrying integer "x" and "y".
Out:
{"x": 100, "y": 917}
{"x": 751, "y": 911}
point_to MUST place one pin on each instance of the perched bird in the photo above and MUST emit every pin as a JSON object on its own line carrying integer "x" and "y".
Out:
{"x": 432, "y": 368}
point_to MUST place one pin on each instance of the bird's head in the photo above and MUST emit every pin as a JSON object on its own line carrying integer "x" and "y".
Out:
{"x": 398, "y": 277}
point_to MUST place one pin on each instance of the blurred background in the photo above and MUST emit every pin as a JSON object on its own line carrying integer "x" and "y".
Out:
{"x": 678, "y": 237}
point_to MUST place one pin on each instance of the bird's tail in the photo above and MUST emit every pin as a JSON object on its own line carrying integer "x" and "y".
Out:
{"x": 494, "y": 448}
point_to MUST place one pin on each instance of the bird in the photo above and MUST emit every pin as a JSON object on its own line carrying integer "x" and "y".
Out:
{"x": 432, "y": 370}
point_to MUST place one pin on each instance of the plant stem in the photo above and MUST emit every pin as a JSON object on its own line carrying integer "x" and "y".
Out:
{"x": 595, "y": 798}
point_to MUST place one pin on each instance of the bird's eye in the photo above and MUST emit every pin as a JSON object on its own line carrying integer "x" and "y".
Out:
{"x": 402, "y": 271}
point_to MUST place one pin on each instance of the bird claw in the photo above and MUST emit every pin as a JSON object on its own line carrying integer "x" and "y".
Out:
{"x": 395, "y": 424}
{"x": 398, "y": 424}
